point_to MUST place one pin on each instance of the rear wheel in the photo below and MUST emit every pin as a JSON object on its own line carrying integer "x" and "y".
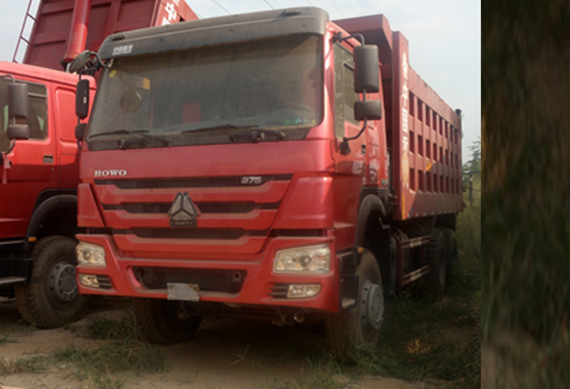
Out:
{"x": 359, "y": 327}
{"x": 51, "y": 298}
{"x": 451, "y": 256}
{"x": 165, "y": 322}
{"x": 433, "y": 284}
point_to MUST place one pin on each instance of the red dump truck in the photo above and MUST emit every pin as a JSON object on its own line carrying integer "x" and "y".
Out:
{"x": 255, "y": 166}
{"x": 39, "y": 154}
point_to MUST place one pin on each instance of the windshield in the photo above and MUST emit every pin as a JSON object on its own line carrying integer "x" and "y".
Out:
{"x": 206, "y": 94}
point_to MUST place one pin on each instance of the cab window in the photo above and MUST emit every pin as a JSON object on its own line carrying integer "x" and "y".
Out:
{"x": 344, "y": 89}
{"x": 37, "y": 117}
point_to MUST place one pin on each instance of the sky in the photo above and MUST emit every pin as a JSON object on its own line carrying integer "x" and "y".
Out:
{"x": 444, "y": 40}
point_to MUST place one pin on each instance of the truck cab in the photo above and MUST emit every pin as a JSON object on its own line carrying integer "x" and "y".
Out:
{"x": 253, "y": 165}
{"x": 39, "y": 187}
{"x": 39, "y": 164}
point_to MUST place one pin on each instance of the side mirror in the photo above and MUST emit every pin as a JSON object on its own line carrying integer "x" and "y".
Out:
{"x": 18, "y": 101}
{"x": 369, "y": 110}
{"x": 80, "y": 62}
{"x": 80, "y": 131}
{"x": 366, "y": 76}
{"x": 18, "y": 132}
{"x": 82, "y": 99}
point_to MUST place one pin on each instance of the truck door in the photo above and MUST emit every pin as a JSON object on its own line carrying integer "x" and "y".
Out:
{"x": 29, "y": 167}
{"x": 351, "y": 169}
{"x": 68, "y": 162}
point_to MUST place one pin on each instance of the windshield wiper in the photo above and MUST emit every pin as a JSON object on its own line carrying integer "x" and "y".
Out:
{"x": 253, "y": 132}
{"x": 220, "y": 127}
{"x": 141, "y": 133}
{"x": 256, "y": 135}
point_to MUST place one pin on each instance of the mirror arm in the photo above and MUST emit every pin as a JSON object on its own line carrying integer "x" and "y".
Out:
{"x": 344, "y": 146}
{"x": 12, "y": 145}
{"x": 8, "y": 77}
{"x": 339, "y": 38}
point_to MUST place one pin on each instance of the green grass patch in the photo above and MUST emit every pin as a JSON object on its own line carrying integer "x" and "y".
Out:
{"x": 439, "y": 340}
{"x": 6, "y": 339}
{"x": 322, "y": 373}
{"x": 434, "y": 341}
{"x": 34, "y": 364}
{"x": 102, "y": 366}
{"x": 99, "y": 365}
{"x": 103, "y": 328}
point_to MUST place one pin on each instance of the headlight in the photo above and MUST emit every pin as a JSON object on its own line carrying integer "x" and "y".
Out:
{"x": 90, "y": 254}
{"x": 312, "y": 260}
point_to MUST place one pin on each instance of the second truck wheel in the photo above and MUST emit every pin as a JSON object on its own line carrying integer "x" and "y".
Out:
{"x": 51, "y": 298}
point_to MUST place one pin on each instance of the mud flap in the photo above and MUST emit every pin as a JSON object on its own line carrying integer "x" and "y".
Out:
{"x": 348, "y": 290}
{"x": 349, "y": 261}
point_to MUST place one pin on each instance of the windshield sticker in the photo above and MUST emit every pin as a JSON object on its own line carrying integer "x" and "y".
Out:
{"x": 120, "y": 50}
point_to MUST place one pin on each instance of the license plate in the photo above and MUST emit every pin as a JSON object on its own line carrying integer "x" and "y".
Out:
{"x": 183, "y": 292}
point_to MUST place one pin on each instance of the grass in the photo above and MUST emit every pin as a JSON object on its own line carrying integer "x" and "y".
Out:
{"x": 103, "y": 328}
{"x": 322, "y": 373}
{"x": 6, "y": 339}
{"x": 122, "y": 351}
{"x": 438, "y": 342}
{"x": 32, "y": 364}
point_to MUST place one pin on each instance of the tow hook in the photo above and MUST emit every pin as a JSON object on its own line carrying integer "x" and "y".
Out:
{"x": 288, "y": 319}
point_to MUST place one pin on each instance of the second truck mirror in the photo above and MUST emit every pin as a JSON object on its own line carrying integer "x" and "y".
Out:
{"x": 369, "y": 110}
{"x": 79, "y": 62}
{"x": 18, "y": 132}
{"x": 80, "y": 131}
{"x": 366, "y": 76}
{"x": 82, "y": 99}
{"x": 18, "y": 101}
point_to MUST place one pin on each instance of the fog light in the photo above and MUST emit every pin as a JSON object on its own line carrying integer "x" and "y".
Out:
{"x": 90, "y": 254}
{"x": 301, "y": 291}
{"x": 89, "y": 280}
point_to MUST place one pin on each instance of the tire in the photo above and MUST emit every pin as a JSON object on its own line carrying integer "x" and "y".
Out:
{"x": 358, "y": 328}
{"x": 451, "y": 256}
{"x": 433, "y": 284}
{"x": 161, "y": 321}
{"x": 51, "y": 298}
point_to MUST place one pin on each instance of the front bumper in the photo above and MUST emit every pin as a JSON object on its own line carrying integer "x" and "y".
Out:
{"x": 260, "y": 284}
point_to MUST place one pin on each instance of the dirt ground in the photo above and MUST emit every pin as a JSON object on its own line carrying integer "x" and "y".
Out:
{"x": 224, "y": 354}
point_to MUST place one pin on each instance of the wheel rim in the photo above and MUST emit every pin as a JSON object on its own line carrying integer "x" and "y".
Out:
{"x": 372, "y": 306}
{"x": 63, "y": 285}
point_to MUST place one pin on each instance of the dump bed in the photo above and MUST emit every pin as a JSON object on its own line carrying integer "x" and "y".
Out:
{"x": 55, "y": 23}
{"x": 424, "y": 133}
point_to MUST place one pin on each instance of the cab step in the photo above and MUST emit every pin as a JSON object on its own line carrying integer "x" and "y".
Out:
{"x": 7, "y": 281}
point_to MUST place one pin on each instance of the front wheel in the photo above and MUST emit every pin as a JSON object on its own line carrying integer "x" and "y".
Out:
{"x": 165, "y": 322}
{"x": 51, "y": 298}
{"x": 359, "y": 327}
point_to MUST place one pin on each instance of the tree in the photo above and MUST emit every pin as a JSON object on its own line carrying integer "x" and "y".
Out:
{"x": 472, "y": 168}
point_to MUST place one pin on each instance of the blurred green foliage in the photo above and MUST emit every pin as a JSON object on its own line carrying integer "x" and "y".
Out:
{"x": 526, "y": 169}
